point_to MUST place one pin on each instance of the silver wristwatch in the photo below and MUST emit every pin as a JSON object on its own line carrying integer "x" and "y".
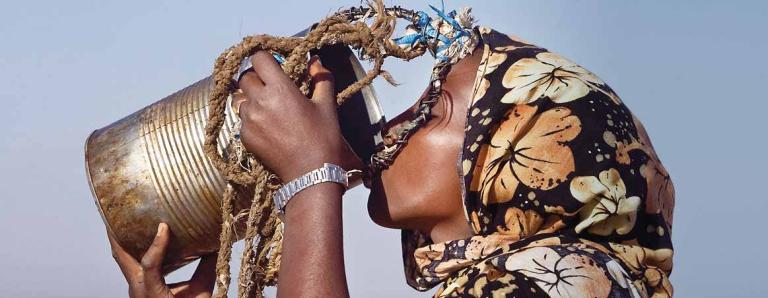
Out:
{"x": 327, "y": 173}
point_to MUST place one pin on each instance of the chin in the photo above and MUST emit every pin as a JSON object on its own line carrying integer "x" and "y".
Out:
{"x": 378, "y": 205}
{"x": 378, "y": 211}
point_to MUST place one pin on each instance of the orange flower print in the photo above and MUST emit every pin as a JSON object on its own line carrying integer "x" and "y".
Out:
{"x": 527, "y": 148}
{"x": 607, "y": 208}
{"x": 520, "y": 223}
{"x": 550, "y": 75}
{"x": 661, "y": 191}
{"x": 572, "y": 275}
{"x": 489, "y": 64}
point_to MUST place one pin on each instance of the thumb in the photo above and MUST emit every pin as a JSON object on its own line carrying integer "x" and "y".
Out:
{"x": 152, "y": 261}
{"x": 322, "y": 83}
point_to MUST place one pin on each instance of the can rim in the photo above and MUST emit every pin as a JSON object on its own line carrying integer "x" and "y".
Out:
{"x": 90, "y": 184}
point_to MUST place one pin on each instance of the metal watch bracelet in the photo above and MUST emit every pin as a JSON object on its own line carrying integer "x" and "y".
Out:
{"x": 327, "y": 173}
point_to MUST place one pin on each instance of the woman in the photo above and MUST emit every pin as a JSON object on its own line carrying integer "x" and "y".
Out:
{"x": 531, "y": 178}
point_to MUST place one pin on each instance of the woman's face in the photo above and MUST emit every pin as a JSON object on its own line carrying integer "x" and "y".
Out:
{"x": 422, "y": 182}
{"x": 422, "y": 186}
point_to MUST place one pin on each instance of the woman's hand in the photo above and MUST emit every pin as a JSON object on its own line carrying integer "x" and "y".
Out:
{"x": 290, "y": 133}
{"x": 145, "y": 279}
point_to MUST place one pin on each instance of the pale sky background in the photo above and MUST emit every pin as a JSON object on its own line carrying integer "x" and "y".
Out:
{"x": 693, "y": 71}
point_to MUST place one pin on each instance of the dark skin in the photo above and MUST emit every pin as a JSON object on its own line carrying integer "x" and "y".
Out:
{"x": 420, "y": 190}
{"x": 145, "y": 278}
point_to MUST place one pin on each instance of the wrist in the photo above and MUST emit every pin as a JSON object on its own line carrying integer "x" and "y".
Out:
{"x": 328, "y": 173}
{"x": 314, "y": 199}
{"x": 312, "y": 159}
{"x": 302, "y": 166}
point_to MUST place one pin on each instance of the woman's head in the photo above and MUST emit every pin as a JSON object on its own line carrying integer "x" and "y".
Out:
{"x": 422, "y": 187}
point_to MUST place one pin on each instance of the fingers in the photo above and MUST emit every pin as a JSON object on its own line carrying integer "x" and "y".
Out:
{"x": 128, "y": 265}
{"x": 152, "y": 261}
{"x": 322, "y": 83}
{"x": 269, "y": 71}
{"x": 202, "y": 282}
{"x": 204, "y": 277}
{"x": 238, "y": 99}
{"x": 251, "y": 83}
{"x": 265, "y": 71}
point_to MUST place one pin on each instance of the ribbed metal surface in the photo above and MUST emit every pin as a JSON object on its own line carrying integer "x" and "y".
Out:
{"x": 173, "y": 135}
{"x": 149, "y": 167}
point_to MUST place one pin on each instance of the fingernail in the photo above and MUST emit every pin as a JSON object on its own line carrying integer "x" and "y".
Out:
{"x": 160, "y": 228}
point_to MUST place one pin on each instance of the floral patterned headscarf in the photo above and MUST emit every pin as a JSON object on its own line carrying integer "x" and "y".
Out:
{"x": 562, "y": 188}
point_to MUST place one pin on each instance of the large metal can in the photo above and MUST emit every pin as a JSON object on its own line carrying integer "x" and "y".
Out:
{"x": 149, "y": 167}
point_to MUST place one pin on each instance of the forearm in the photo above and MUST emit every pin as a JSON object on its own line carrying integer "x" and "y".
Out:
{"x": 312, "y": 262}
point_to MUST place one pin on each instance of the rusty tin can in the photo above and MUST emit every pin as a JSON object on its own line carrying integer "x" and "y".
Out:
{"x": 149, "y": 167}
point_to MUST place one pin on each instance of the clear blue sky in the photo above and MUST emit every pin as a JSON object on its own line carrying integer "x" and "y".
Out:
{"x": 693, "y": 71}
